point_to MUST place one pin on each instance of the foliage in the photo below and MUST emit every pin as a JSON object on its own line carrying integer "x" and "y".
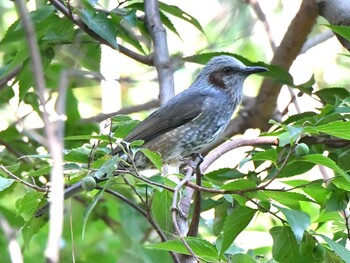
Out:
{"x": 304, "y": 212}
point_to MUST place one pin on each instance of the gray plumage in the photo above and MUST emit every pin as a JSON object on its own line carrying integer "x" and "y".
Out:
{"x": 195, "y": 117}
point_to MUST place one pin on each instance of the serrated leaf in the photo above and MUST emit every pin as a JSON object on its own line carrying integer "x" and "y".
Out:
{"x": 100, "y": 24}
{"x": 224, "y": 174}
{"x": 161, "y": 210}
{"x": 285, "y": 248}
{"x": 323, "y": 160}
{"x": 339, "y": 129}
{"x": 78, "y": 155}
{"x": 339, "y": 249}
{"x": 240, "y": 184}
{"x": 108, "y": 167}
{"x": 299, "y": 221}
{"x": 330, "y": 95}
{"x": 154, "y": 157}
{"x": 176, "y": 11}
{"x": 235, "y": 223}
{"x": 202, "y": 248}
{"x": 27, "y": 205}
{"x": 167, "y": 22}
{"x": 289, "y": 199}
{"x": 5, "y": 183}
{"x": 268, "y": 155}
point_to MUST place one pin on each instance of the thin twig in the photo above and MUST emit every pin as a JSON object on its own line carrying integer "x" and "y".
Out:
{"x": 144, "y": 214}
{"x": 33, "y": 186}
{"x": 261, "y": 16}
{"x": 13, "y": 73}
{"x": 128, "y": 110}
{"x": 174, "y": 209}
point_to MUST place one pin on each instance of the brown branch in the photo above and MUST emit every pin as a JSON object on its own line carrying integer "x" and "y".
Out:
{"x": 261, "y": 16}
{"x": 77, "y": 21}
{"x": 128, "y": 110}
{"x": 13, "y": 73}
{"x": 236, "y": 143}
{"x": 193, "y": 228}
{"x": 180, "y": 221}
{"x": 161, "y": 53}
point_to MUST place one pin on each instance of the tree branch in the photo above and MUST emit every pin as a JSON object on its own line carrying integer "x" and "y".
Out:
{"x": 161, "y": 54}
{"x": 128, "y": 110}
{"x": 77, "y": 21}
{"x": 54, "y": 139}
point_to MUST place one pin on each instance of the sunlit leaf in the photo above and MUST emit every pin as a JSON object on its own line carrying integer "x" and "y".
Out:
{"x": 202, "y": 248}
{"x": 299, "y": 221}
{"x": 339, "y": 249}
{"x": 235, "y": 223}
{"x": 340, "y": 129}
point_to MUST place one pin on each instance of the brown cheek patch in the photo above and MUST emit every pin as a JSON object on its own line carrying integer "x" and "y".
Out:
{"x": 217, "y": 79}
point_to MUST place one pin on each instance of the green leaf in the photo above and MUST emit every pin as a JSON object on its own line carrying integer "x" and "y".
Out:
{"x": 240, "y": 184}
{"x": 224, "y": 174}
{"x": 176, "y": 11}
{"x": 100, "y": 24}
{"x": 331, "y": 95}
{"x": 167, "y": 22}
{"x": 340, "y": 129}
{"x": 161, "y": 210}
{"x": 123, "y": 125}
{"x": 78, "y": 155}
{"x": 339, "y": 249}
{"x": 42, "y": 171}
{"x": 235, "y": 223}
{"x": 27, "y": 205}
{"x": 268, "y": 155}
{"x": 242, "y": 258}
{"x": 105, "y": 138}
{"x": 89, "y": 210}
{"x": 30, "y": 228}
{"x": 323, "y": 160}
{"x": 108, "y": 167}
{"x": 344, "y": 31}
{"x": 202, "y": 248}
{"x": 154, "y": 157}
{"x": 285, "y": 248}
{"x": 298, "y": 220}
{"x": 289, "y": 199}
{"x": 5, "y": 183}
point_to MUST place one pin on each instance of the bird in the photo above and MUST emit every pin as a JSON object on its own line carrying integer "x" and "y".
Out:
{"x": 192, "y": 119}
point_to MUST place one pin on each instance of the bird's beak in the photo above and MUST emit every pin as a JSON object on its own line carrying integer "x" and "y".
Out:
{"x": 254, "y": 69}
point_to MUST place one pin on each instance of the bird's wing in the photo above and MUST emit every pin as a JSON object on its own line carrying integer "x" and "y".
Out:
{"x": 179, "y": 111}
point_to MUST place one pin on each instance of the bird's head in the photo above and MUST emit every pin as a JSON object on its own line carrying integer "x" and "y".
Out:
{"x": 227, "y": 73}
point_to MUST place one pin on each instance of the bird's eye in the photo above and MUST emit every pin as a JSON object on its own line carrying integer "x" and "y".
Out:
{"x": 227, "y": 70}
